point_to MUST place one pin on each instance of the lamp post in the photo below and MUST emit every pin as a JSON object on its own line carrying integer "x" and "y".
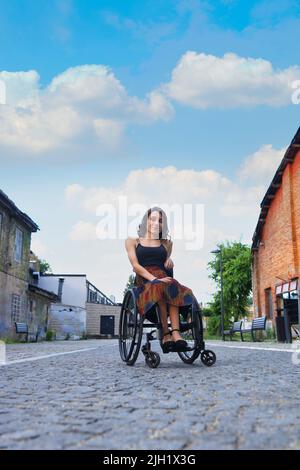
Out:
{"x": 219, "y": 251}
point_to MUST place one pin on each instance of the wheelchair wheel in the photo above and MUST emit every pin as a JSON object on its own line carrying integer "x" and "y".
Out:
{"x": 130, "y": 329}
{"x": 208, "y": 357}
{"x": 193, "y": 335}
{"x": 152, "y": 359}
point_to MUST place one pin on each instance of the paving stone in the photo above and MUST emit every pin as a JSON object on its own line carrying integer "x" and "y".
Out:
{"x": 91, "y": 400}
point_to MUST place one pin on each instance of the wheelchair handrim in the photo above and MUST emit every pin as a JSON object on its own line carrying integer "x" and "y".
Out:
{"x": 134, "y": 323}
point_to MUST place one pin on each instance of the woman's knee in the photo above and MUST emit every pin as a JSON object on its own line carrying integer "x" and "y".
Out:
{"x": 162, "y": 303}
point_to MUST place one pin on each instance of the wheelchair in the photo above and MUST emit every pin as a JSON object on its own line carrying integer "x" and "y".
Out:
{"x": 132, "y": 326}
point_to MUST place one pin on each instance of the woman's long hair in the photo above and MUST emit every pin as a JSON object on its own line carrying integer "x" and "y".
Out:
{"x": 163, "y": 233}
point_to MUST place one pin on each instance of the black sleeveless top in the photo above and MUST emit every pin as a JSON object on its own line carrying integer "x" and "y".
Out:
{"x": 151, "y": 255}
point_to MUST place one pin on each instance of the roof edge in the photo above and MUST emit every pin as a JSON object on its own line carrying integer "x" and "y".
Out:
{"x": 276, "y": 182}
{"x": 12, "y": 208}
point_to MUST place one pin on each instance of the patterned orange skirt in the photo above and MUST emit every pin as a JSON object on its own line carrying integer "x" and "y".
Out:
{"x": 148, "y": 293}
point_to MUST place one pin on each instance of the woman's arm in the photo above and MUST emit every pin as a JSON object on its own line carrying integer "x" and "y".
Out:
{"x": 169, "y": 263}
{"x": 137, "y": 268}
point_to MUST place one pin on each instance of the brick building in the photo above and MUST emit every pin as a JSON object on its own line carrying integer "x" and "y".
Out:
{"x": 276, "y": 247}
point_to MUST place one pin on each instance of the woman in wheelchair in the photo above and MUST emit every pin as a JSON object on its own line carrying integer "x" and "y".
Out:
{"x": 149, "y": 255}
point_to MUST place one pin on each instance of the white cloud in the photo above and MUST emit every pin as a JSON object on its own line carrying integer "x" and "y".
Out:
{"x": 262, "y": 164}
{"x": 83, "y": 231}
{"x": 109, "y": 131}
{"x": 84, "y": 101}
{"x": 21, "y": 87}
{"x": 88, "y": 103}
{"x": 73, "y": 191}
{"x": 35, "y": 129}
{"x": 253, "y": 178}
{"x": 88, "y": 83}
{"x": 144, "y": 186}
{"x": 242, "y": 200}
{"x": 207, "y": 81}
{"x": 39, "y": 247}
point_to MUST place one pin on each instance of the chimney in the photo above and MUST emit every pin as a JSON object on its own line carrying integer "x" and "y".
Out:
{"x": 60, "y": 287}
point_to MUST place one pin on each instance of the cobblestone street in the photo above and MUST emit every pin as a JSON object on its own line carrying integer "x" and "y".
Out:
{"x": 80, "y": 395}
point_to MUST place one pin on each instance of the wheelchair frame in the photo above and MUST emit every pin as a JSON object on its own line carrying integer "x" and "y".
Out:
{"x": 132, "y": 325}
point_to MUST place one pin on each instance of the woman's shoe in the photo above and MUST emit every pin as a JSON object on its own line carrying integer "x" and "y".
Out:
{"x": 168, "y": 346}
{"x": 180, "y": 345}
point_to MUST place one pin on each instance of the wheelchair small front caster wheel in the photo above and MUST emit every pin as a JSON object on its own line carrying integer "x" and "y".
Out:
{"x": 152, "y": 359}
{"x": 208, "y": 357}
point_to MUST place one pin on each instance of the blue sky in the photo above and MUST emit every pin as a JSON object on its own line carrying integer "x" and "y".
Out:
{"x": 66, "y": 125}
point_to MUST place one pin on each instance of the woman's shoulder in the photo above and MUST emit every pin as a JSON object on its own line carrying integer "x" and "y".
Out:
{"x": 131, "y": 241}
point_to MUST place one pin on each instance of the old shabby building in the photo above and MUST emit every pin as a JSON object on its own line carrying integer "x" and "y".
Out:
{"x": 21, "y": 300}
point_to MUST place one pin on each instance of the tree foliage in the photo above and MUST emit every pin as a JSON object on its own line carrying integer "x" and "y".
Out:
{"x": 45, "y": 267}
{"x": 237, "y": 284}
{"x": 41, "y": 264}
{"x": 130, "y": 283}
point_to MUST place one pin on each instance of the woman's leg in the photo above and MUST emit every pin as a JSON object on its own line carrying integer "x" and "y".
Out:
{"x": 174, "y": 317}
{"x": 164, "y": 320}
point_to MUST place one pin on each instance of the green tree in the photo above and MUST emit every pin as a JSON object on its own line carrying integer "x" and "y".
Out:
{"x": 237, "y": 284}
{"x": 45, "y": 267}
{"x": 130, "y": 283}
{"x": 41, "y": 264}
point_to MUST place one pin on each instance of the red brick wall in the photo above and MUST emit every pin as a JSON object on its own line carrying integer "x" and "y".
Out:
{"x": 278, "y": 256}
{"x": 296, "y": 206}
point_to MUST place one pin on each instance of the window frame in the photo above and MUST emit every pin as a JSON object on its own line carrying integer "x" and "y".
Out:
{"x": 16, "y": 307}
{"x": 18, "y": 251}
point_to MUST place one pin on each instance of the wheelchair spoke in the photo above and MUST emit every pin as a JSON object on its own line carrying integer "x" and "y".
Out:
{"x": 191, "y": 332}
{"x": 129, "y": 330}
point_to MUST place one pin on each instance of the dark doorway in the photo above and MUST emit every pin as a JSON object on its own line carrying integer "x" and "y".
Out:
{"x": 291, "y": 313}
{"x": 107, "y": 325}
{"x": 287, "y": 316}
{"x": 288, "y": 310}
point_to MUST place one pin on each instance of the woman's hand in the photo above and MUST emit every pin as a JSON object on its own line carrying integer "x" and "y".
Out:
{"x": 169, "y": 264}
{"x": 166, "y": 279}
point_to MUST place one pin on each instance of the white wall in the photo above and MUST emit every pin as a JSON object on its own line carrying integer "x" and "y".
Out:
{"x": 65, "y": 320}
{"x": 74, "y": 288}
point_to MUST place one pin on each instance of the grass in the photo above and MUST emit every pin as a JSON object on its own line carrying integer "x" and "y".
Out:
{"x": 10, "y": 341}
{"x": 212, "y": 337}
{"x": 237, "y": 337}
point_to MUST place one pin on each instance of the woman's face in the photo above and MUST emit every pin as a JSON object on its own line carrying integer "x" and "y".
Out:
{"x": 154, "y": 224}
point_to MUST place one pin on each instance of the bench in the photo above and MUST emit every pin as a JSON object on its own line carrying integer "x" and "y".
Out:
{"x": 22, "y": 329}
{"x": 296, "y": 330}
{"x": 236, "y": 328}
{"x": 258, "y": 324}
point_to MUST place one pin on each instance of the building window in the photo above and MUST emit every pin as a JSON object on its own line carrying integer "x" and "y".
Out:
{"x": 16, "y": 307}
{"x": 18, "y": 245}
{"x": 269, "y": 303}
